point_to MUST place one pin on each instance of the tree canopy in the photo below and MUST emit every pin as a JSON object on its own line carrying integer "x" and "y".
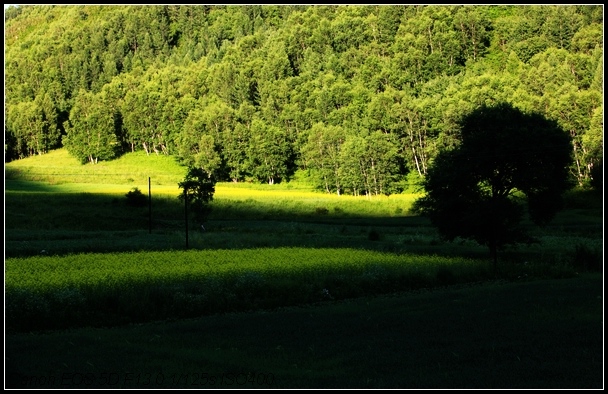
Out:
{"x": 246, "y": 91}
{"x": 507, "y": 159}
{"x": 198, "y": 189}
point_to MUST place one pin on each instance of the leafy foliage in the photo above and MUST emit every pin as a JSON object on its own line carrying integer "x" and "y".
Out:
{"x": 90, "y": 130}
{"x": 198, "y": 186}
{"x": 245, "y": 92}
{"x": 471, "y": 191}
{"x": 136, "y": 198}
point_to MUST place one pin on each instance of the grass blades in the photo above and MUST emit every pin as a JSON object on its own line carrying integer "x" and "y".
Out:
{"x": 538, "y": 334}
{"x": 58, "y": 167}
{"x": 297, "y": 288}
{"x": 114, "y": 288}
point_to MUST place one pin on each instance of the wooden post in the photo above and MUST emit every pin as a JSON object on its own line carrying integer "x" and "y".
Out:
{"x": 186, "y": 213}
{"x": 149, "y": 206}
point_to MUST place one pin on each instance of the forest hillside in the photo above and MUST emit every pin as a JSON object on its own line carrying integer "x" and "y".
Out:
{"x": 360, "y": 99}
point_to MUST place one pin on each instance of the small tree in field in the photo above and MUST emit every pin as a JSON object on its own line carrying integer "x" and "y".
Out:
{"x": 198, "y": 187}
{"x": 135, "y": 198}
{"x": 471, "y": 190}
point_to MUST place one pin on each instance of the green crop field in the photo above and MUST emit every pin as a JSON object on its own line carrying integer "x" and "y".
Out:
{"x": 83, "y": 268}
{"x": 388, "y": 210}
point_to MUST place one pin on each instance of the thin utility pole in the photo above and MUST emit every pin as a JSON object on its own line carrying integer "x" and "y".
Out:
{"x": 149, "y": 206}
{"x": 186, "y": 213}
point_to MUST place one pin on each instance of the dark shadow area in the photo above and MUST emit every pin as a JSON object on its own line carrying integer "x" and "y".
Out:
{"x": 526, "y": 335}
{"x": 61, "y": 223}
{"x": 54, "y": 224}
{"x": 64, "y": 223}
{"x": 16, "y": 185}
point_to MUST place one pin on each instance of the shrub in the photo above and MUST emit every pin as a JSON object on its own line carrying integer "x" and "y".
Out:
{"x": 321, "y": 211}
{"x": 135, "y": 198}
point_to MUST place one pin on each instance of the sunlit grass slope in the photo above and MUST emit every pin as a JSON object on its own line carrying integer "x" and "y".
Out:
{"x": 58, "y": 167}
{"x": 61, "y": 173}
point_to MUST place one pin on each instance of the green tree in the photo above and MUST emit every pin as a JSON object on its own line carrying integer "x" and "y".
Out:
{"x": 573, "y": 109}
{"x": 199, "y": 140}
{"x": 430, "y": 42}
{"x": 412, "y": 133}
{"x": 25, "y": 121}
{"x": 473, "y": 26}
{"x": 149, "y": 113}
{"x": 222, "y": 81}
{"x": 353, "y": 170}
{"x": 560, "y": 25}
{"x": 91, "y": 129}
{"x": 198, "y": 188}
{"x": 382, "y": 162}
{"x": 588, "y": 38}
{"x": 321, "y": 153}
{"x": 235, "y": 143}
{"x": 368, "y": 164}
{"x": 471, "y": 191}
{"x": 593, "y": 142}
{"x": 388, "y": 21}
{"x": 234, "y": 152}
{"x": 297, "y": 66}
{"x": 268, "y": 152}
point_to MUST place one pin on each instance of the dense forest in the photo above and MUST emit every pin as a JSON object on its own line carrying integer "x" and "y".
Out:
{"x": 360, "y": 99}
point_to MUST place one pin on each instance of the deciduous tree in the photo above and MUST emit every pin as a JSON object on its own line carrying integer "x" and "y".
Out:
{"x": 198, "y": 188}
{"x": 91, "y": 129}
{"x": 472, "y": 190}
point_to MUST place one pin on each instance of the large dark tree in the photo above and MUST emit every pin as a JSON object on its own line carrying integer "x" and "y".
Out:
{"x": 506, "y": 160}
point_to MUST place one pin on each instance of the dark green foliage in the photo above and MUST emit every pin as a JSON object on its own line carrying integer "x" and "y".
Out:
{"x": 259, "y": 92}
{"x": 321, "y": 211}
{"x": 135, "y": 198}
{"x": 199, "y": 187}
{"x": 470, "y": 190}
{"x": 11, "y": 150}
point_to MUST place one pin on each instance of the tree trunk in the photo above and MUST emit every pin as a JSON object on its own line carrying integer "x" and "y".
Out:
{"x": 416, "y": 161}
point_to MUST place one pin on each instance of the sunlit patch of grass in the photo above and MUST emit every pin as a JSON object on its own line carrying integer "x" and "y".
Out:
{"x": 58, "y": 172}
{"x": 58, "y": 167}
{"x": 151, "y": 285}
{"x": 305, "y": 202}
{"x": 229, "y": 200}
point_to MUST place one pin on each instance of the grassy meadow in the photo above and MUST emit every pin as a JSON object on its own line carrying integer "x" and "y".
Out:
{"x": 275, "y": 269}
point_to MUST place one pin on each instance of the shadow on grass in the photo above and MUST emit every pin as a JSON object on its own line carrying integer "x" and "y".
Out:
{"x": 87, "y": 222}
{"x": 65, "y": 223}
{"x": 526, "y": 335}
